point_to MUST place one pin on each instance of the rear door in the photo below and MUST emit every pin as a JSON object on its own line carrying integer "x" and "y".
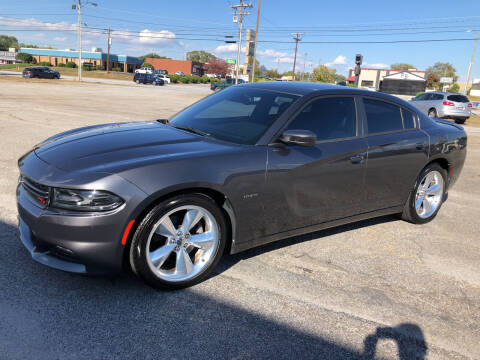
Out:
{"x": 397, "y": 151}
{"x": 310, "y": 185}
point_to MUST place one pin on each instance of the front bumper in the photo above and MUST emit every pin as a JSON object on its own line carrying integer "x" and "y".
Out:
{"x": 79, "y": 243}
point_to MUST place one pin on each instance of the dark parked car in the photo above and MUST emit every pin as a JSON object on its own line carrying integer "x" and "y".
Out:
{"x": 243, "y": 167}
{"x": 142, "y": 78}
{"x": 217, "y": 86}
{"x": 43, "y": 72}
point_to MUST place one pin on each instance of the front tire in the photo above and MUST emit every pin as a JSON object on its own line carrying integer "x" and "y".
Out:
{"x": 427, "y": 195}
{"x": 179, "y": 242}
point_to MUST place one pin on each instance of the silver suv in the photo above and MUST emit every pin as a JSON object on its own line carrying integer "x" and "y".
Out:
{"x": 437, "y": 104}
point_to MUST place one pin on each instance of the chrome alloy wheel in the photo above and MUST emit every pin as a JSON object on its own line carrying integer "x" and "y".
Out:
{"x": 429, "y": 194}
{"x": 182, "y": 243}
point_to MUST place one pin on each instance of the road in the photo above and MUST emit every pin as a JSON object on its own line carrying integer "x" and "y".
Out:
{"x": 381, "y": 286}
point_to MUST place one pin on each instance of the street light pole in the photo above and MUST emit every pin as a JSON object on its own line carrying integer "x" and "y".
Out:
{"x": 78, "y": 6}
{"x": 240, "y": 6}
{"x": 79, "y": 9}
{"x": 471, "y": 63}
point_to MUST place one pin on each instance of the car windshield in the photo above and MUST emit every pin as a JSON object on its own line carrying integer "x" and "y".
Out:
{"x": 237, "y": 114}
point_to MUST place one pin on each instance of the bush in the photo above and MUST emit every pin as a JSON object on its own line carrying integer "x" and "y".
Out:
{"x": 174, "y": 78}
{"x": 352, "y": 85}
{"x": 454, "y": 88}
{"x": 116, "y": 69}
{"x": 70, "y": 64}
{"x": 147, "y": 65}
{"x": 204, "y": 79}
{"x": 418, "y": 93}
{"x": 184, "y": 79}
{"x": 61, "y": 65}
{"x": 89, "y": 68}
{"x": 44, "y": 63}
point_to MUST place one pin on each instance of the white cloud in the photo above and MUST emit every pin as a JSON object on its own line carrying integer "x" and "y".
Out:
{"x": 29, "y": 23}
{"x": 286, "y": 59}
{"x": 60, "y": 39}
{"x": 151, "y": 37}
{"x": 227, "y": 49}
{"x": 376, "y": 65}
{"x": 339, "y": 60}
{"x": 272, "y": 53}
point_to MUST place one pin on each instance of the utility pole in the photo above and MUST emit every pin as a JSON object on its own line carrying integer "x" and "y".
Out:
{"x": 240, "y": 13}
{"x": 296, "y": 37}
{"x": 78, "y": 6}
{"x": 109, "y": 42}
{"x": 471, "y": 63}
{"x": 304, "y": 63}
{"x": 255, "y": 45}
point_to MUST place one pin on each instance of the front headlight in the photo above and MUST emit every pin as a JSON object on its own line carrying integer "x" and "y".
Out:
{"x": 85, "y": 200}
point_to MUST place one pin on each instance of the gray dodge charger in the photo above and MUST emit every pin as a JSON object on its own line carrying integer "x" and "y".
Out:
{"x": 243, "y": 167}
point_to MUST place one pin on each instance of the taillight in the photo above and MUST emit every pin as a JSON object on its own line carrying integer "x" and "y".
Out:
{"x": 469, "y": 105}
{"x": 448, "y": 103}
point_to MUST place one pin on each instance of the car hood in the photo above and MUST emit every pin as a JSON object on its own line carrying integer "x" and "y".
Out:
{"x": 114, "y": 147}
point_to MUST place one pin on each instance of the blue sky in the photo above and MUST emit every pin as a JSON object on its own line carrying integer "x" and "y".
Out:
{"x": 170, "y": 28}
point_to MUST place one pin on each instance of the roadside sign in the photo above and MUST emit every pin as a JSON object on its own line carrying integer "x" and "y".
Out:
{"x": 230, "y": 61}
{"x": 446, "y": 80}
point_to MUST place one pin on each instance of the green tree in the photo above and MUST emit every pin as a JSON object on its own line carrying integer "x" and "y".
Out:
{"x": 152, "y": 56}
{"x": 402, "y": 66}
{"x": 200, "y": 56}
{"x": 147, "y": 65}
{"x": 324, "y": 74}
{"x": 272, "y": 73}
{"x": 24, "y": 57}
{"x": 7, "y": 42}
{"x": 438, "y": 70}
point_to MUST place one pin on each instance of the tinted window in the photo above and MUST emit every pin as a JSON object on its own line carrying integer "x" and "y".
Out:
{"x": 421, "y": 97}
{"x": 236, "y": 114}
{"x": 437, "y": 97}
{"x": 458, "y": 98}
{"x": 382, "y": 116}
{"x": 329, "y": 118}
{"x": 408, "y": 119}
{"x": 428, "y": 97}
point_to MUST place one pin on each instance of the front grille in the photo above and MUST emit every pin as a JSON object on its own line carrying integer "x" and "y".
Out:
{"x": 40, "y": 193}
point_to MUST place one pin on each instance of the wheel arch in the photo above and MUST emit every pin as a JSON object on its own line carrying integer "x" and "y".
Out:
{"x": 215, "y": 194}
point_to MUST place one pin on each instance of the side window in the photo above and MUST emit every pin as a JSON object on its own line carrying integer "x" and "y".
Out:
{"x": 429, "y": 97}
{"x": 420, "y": 97}
{"x": 438, "y": 97}
{"x": 329, "y": 118}
{"x": 408, "y": 119}
{"x": 382, "y": 116}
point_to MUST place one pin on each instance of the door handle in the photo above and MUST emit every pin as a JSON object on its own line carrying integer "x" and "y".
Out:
{"x": 357, "y": 159}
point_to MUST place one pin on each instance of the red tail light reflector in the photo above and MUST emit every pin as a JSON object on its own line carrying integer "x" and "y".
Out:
{"x": 448, "y": 103}
{"x": 470, "y": 105}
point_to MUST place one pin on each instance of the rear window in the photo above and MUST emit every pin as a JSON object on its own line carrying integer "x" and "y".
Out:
{"x": 458, "y": 98}
{"x": 382, "y": 116}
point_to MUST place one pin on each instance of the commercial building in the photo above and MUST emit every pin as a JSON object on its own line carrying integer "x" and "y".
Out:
{"x": 95, "y": 58}
{"x": 8, "y": 57}
{"x": 475, "y": 90}
{"x": 373, "y": 78}
{"x": 172, "y": 66}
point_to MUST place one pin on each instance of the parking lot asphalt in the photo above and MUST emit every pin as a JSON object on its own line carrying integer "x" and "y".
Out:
{"x": 378, "y": 288}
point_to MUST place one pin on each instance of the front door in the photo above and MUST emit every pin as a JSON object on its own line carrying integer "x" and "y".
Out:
{"x": 310, "y": 185}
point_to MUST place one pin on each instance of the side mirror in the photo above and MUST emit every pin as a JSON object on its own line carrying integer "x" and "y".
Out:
{"x": 299, "y": 137}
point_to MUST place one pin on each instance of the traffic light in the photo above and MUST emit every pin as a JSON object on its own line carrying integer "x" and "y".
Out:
{"x": 358, "y": 59}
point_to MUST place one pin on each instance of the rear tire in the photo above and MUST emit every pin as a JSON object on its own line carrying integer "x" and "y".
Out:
{"x": 460, "y": 121}
{"x": 173, "y": 250}
{"x": 432, "y": 113}
{"x": 427, "y": 195}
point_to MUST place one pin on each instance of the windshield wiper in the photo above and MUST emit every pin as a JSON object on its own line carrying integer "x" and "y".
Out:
{"x": 192, "y": 130}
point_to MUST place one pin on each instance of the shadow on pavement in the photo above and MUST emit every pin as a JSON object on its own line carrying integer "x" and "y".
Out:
{"x": 49, "y": 314}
